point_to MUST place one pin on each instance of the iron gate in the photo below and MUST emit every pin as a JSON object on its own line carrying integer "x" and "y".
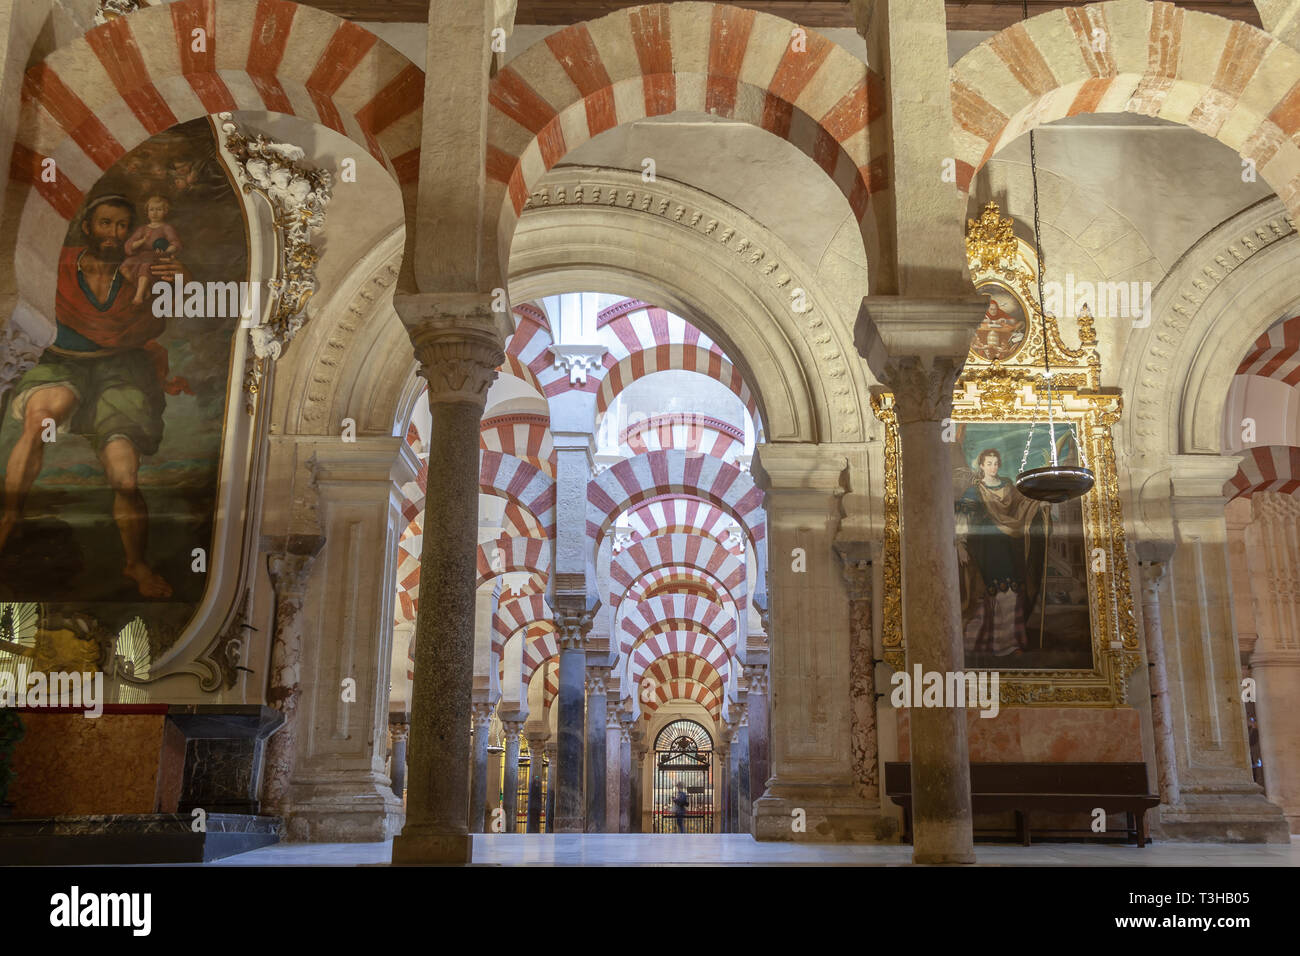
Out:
{"x": 683, "y": 755}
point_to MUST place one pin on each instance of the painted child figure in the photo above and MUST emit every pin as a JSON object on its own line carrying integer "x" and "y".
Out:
{"x": 149, "y": 243}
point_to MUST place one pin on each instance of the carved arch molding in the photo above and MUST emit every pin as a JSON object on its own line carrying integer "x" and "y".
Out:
{"x": 803, "y": 363}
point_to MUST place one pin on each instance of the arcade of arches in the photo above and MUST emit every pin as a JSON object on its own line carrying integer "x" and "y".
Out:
{"x": 612, "y": 431}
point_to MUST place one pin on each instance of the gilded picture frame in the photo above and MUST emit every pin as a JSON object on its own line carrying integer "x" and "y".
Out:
{"x": 996, "y": 397}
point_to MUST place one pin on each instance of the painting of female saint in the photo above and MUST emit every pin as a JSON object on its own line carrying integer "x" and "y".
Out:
{"x": 1002, "y": 332}
{"x": 110, "y": 445}
{"x": 1024, "y": 593}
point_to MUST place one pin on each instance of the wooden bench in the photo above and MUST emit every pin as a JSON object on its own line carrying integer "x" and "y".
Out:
{"x": 1043, "y": 787}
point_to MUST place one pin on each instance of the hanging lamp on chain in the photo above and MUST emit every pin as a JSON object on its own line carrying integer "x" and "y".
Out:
{"x": 1054, "y": 482}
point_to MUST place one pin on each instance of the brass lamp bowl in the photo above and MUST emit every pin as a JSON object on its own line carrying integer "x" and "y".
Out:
{"x": 1055, "y": 483}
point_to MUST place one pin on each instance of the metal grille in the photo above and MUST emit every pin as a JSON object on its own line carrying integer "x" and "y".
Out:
{"x": 683, "y": 755}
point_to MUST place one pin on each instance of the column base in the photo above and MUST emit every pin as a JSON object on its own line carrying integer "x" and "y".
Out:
{"x": 415, "y": 846}
{"x": 342, "y": 812}
{"x": 831, "y": 814}
{"x": 1220, "y": 818}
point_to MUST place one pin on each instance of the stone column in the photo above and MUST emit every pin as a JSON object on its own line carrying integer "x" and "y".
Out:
{"x": 570, "y": 720}
{"x": 722, "y": 778}
{"x": 510, "y": 730}
{"x": 594, "y": 820}
{"x": 626, "y": 798}
{"x": 811, "y": 761}
{"x": 480, "y": 721}
{"x": 738, "y": 771}
{"x": 613, "y": 735}
{"x": 758, "y": 736}
{"x": 637, "y": 791}
{"x": 862, "y": 682}
{"x": 552, "y": 773}
{"x": 1217, "y": 788}
{"x": 917, "y": 348}
{"x": 289, "y": 565}
{"x": 536, "y": 778}
{"x": 340, "y": 790}
{"x": 459, "y": 349}
{"x": 399, "y": 733}
{"x": 1152, "y": 573}
{"x": 1273, "y": 555}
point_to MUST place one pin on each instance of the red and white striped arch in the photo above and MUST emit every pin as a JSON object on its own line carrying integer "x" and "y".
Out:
{"x": 684, "y": 431}
{"x": 520, "y": 483}
{"x": 645, "y": 339}
{"x": 681, "y": 610}
{"x": 509, "y": 555}
{"x": 1226, "y": 79}
{"x": 1265, "y": 468}
{"x": 662, "y": 58}
{"x": 669, "y": 514}
{"x": 677, "y": 550}
{"x": 676, "y": 579}
{"x": 102, "y": 94}
{"x": 526, "y": 436}
{"x": 682, "y": 677}
{"x": 514, "y": 614}
{"x": 1276, "y": 354}
{"x": 633, "y": 480}
{"x": 517, "y": 522}
{"x": 528, "y": 349}
{"x": 539, "y": 648}
{"x": 657, "y": 646}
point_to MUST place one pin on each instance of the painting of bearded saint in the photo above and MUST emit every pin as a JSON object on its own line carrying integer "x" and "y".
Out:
{"x": 1021, "y": 566}
{"x": 110, "y": 446}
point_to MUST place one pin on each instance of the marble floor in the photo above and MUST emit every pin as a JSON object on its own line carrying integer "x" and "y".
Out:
{"x": 623, "y": 849}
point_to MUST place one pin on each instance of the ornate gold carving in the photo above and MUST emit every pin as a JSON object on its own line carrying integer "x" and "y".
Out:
{"x": 297, "y": 195}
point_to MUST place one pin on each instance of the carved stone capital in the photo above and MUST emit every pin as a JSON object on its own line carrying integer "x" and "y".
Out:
{"x": 573, "y": 627}
{"x": 459, "y": 362}
{"x": 756, "y": 678}
{"x": 481, "y": 715}
{"x": 855, "y": 564}
{"x": 922, "y": 390}
{"x": 511, "y": 729}
{"x": 1152, "y": 574}
{"x": 289, "y": 562}
{"x": 398, "y": 732}
{"x": 595, "y": 683}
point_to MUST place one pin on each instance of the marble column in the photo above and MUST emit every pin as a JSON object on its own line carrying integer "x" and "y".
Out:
{"x": 1273, "y": 555}
{"x": 536, "y": 781}
{"x": 738, "y": 770}
{"x": 1218, "y": 793}
{"x": 510, "y": 730}
{"x": 613, "y": 734}
{"x": 637, "y": 790}
{"x": 625, "y": 784}
{"x": 721, "y": 822}
{"x": 917, "y": 347}
{"x": 289, "y": 565}
{"x": 552, "y": 775}
{"x": 594, "y": 817}
{"x": 570, "y": 720}
{"x": 756, "y": 677}
{"x": 399, "y": 733}
{"x": 1152, "y": 574}
{"x": 858, "y": 579}
{"x": 480, "y": 722}
{"x": 459, "y": 349}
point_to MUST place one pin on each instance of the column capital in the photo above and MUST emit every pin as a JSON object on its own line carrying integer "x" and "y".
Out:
{"x": 595, "y": 681}
{"x": 797, "y": 466}
{"x": 458, "y": 342}
{"x": 1152, "y": 574}
{"x": 855, "y": 563}
{"x": 399, "y": 732}
{"x": 1202, "y": 476}
{"x": 574, "y": 625}
{"x": 536, "y": 742}
{"x": 511, "y": 729}
{"x": 917, "y": 348}
{"x": 289, "y": 561}
{"x": 481, "y": 714}
{"x": 756, "y": 678}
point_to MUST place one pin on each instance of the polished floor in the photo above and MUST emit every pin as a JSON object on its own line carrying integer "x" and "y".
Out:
{"x": 622, "y": 849}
